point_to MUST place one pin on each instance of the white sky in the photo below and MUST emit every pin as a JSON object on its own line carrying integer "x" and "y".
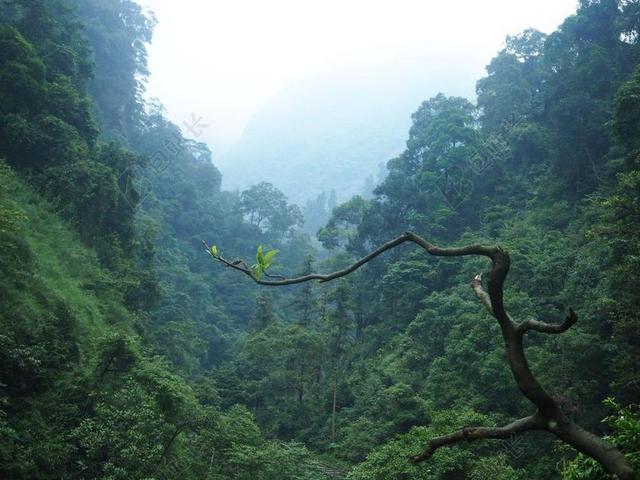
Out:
{"x": 222, "y": 60}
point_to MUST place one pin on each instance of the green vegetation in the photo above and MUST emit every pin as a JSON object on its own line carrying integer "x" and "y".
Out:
{"x": 124, "y": 354}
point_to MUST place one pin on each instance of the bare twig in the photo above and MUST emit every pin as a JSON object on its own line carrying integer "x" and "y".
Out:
{"x": 406, "y": 237}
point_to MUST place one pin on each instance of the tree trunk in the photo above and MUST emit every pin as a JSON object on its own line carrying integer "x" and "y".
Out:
{"x": 301, "y": 383}
{"x": 335, "y": 403}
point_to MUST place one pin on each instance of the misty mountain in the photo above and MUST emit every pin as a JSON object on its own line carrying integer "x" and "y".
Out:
{"x": 333, "y": 131}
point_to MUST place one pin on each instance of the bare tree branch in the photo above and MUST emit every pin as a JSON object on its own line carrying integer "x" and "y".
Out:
{"x": 544, "y": 327}
{"x": 476, "y": 285}
{"x": 471, "y": 434}
{"x": 242, "y": 266}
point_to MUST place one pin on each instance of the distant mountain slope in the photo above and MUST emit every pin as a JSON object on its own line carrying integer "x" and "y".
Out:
{"x": 332, "y": 131}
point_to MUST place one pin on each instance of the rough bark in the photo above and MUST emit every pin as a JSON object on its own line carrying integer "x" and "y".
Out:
{"x": 548, "y": 415}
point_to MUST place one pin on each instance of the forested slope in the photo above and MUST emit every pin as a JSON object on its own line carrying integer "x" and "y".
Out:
{"x": 108, "y": 323}
{"x": 126, "y": 353}
{"x": 545, "y": 165}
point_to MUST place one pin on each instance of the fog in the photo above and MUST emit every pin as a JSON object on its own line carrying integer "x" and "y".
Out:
{"x": 217, "y": 65}
{"x": 223, "y": 60}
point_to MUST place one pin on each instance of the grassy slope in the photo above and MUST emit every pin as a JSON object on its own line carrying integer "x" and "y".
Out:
{"x": 46, "y": 269}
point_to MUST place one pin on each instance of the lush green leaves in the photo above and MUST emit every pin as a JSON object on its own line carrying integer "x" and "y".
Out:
{"x": 625, "y": 434}
{"x": 124, "y": 355}
{"x": 263, "y": 261}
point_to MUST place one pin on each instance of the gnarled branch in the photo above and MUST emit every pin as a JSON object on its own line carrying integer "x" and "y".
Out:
{"x": 242, "y": 266}
{"x": 471, "y": 434}
{"x": 544, "y": 327}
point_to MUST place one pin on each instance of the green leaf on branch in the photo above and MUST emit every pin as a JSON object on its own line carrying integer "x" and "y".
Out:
{"x": 259, "y": 256}
{"x": 269, "y": 257}
{"x": 263, "y": 261}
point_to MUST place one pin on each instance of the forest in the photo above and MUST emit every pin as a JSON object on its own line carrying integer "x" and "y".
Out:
{"x": 155, "y": 326}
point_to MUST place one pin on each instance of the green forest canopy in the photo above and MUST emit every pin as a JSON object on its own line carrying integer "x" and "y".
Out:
{"x": 125, "y": 354}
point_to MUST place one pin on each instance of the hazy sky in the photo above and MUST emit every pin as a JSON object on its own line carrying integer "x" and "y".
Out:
{"x": 222, "y": 60}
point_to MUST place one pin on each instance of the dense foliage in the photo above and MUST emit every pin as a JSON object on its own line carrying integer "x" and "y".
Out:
{"x": 125, "y": 354}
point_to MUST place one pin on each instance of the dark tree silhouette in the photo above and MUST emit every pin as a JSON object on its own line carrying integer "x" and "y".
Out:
{"x": 548, "y": 415}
